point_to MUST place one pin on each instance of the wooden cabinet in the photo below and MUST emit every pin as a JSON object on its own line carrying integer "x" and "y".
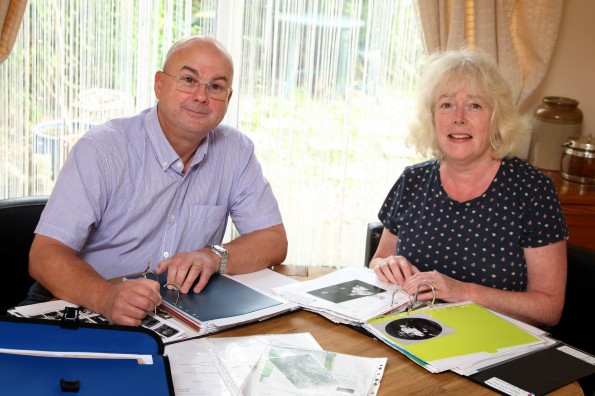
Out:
{"x": 578, "y": 204}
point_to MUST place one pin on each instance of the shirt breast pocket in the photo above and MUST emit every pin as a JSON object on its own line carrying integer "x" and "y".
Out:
{"x": 207, "y": 223}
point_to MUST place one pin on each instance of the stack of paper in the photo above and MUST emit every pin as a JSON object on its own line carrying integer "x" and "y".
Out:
{"x": 225, "y": 302}
{"x": 228, "y": 301}
{"x": 461, "y": 337}
{"x": 349, "y": 295}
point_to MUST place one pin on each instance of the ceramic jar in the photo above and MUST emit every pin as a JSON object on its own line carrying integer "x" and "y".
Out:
{"x": 555, "y": 120}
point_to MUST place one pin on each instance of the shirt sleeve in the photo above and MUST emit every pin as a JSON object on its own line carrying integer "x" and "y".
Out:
{"x": 545, "y": 222}
{"x": 389, "y": 213}
{"x": 74, "y": 206}
{"x": 253, "y": 205}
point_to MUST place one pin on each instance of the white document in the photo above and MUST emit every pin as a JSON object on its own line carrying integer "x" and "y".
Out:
{"x": 349, "y": 295}
{"x": 219, "y": 366}
{"x": 287, "y": 371}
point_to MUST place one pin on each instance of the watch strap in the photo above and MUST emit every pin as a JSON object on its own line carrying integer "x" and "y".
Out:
{"x": 221, "y": 252}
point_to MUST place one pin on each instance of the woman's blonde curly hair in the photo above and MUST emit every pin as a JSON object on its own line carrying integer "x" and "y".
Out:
{"x": 454, "y": 70}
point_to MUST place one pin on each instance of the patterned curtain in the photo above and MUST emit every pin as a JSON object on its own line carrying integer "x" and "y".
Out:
{"x": 521, "y": 35}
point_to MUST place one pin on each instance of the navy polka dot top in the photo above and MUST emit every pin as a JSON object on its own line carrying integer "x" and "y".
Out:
{"x": 480, "y": 240}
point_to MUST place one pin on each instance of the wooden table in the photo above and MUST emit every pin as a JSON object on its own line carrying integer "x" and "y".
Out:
{"x": 401, "y": 376}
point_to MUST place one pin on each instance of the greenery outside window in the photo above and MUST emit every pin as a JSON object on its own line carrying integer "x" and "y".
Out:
{"x": 324, "y": 89}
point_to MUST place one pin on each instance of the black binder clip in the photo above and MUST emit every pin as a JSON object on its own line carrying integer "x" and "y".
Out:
{"x": 70, "y": 386}
{"x": 70, "y": 318}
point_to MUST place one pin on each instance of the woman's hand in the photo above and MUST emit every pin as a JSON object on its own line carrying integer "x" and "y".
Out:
{"x": 394, "y": 269}
{"x": 445, "y": 288}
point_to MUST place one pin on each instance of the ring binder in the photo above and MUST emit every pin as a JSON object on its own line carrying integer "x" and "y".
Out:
{"x": 417, "y": 292}
{"x": 413, "y": 303}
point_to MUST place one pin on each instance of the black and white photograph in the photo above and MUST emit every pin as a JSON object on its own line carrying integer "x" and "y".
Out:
{"x": 347, "y": 291}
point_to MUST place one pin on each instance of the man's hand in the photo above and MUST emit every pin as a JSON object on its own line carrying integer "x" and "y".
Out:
{"x": 128, "y": 302}
{"x": 184, "y": 269}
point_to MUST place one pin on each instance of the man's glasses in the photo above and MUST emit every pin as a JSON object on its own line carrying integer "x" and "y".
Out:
{"x": 189, "y": 84}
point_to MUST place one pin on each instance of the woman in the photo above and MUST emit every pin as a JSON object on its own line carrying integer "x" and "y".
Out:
{"x": 475, "y": 221}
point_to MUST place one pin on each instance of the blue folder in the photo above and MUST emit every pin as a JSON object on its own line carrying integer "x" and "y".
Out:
{"x": 33, "y": 374}
{"x": 223, "y": 297}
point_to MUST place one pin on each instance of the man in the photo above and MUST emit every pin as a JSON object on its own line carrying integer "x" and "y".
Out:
{"x": 156, "y": 190}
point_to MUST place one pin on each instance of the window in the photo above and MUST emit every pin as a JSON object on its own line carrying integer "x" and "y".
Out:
{"x": 323, "y": 88}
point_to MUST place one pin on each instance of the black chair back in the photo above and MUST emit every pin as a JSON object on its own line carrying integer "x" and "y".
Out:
{"x": 373, "y": 234}
{"x": 18, "y": 219}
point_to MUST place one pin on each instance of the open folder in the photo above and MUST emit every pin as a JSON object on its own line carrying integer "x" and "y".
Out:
{"x": 453, "y": 336}
{"x": 465, "y": 338}
{"x": 227, "y": 301}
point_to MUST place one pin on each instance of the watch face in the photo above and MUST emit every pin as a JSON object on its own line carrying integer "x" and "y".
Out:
{"x": 219, "y": 249}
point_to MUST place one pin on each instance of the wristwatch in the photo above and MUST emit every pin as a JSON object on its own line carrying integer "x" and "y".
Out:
{"x": 221, "y": 252}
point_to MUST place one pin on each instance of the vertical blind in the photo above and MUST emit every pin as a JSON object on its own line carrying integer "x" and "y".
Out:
{"x": 323, "y": 88}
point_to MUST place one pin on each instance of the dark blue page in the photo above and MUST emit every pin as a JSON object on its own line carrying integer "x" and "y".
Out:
{"x": 223, "y": 297}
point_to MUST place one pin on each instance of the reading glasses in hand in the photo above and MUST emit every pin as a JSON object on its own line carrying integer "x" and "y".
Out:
{"x": 191, "y": 85}
{"x": 148, "y": 272}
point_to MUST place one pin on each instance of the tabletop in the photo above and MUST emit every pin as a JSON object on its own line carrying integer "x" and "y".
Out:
{"x": 401, "y": 376}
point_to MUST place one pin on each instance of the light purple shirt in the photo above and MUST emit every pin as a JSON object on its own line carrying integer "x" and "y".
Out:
{"x": 121, "y": 199}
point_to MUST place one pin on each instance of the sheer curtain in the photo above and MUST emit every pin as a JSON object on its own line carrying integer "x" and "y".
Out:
{"x": 322, "y": 87}
{"x": 324, "y": 93}
{"x": 75, "y": 64}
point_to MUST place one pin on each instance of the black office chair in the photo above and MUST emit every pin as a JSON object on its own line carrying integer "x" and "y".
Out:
{"x": 18, "y": 219}
{"x": 373, "y": 234}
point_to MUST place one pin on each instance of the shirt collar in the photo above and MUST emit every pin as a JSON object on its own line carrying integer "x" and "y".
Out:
{"x": 165, "y": 153}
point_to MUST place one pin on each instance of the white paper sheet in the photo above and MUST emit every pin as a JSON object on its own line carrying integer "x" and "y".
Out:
{"x": 285, "y": 371}
{"x": 349, "y": 295}
{"x": 219, "y": 366}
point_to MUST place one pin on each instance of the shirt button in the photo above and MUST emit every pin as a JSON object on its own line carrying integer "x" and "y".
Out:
{"x": 164, "y": 163}
{"x": 179, "y": 164}
{"x": 172, "y": 217}
{"x": 166, "y": 254}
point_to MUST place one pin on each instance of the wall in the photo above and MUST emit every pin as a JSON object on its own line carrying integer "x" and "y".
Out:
{"x": 572, "y": 69}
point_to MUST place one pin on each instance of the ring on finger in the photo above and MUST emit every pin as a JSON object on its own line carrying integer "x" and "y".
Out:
{"x": 197, "y": 266}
